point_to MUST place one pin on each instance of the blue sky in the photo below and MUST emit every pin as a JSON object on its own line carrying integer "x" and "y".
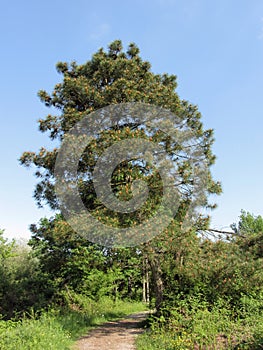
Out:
{"x": 214, "y": 47}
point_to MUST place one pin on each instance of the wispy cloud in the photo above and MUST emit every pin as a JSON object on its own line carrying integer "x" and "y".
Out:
{"x": 100, "y": 31}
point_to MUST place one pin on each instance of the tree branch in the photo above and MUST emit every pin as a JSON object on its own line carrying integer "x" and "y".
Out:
{"x": 226, "y": 232}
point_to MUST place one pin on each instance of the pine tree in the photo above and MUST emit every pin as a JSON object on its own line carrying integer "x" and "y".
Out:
{"x": 110, "y": 78}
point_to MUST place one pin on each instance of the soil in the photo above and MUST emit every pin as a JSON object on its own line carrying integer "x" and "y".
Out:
{"x": 119, "y": 335}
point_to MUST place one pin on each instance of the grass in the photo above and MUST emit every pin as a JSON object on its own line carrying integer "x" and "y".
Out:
{"x": 59, "y": 329}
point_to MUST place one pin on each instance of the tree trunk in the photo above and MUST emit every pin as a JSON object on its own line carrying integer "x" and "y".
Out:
{"x": 147, "y": 285}
{"x": 157, "y": 282}
{"x": 145, "y": 282}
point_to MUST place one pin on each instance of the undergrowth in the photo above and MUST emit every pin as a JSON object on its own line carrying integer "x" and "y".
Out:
{"x": 195, "y": 325}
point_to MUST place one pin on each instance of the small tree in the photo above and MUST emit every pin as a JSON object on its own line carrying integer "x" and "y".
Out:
{"x": 22, "y": 285}
{"x": 248, "y": 224}
{"x": 250, "y": 227}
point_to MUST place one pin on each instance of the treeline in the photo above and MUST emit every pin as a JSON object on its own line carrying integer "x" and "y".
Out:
{"x": 60, "y": 264}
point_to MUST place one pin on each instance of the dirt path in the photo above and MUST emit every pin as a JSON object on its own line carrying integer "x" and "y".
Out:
{"x": 119, "y": 335}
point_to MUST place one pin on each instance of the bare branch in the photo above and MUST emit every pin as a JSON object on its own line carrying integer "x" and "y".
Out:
{"x": 226, "y": 232}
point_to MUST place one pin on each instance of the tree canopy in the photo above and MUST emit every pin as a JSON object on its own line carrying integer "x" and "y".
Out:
{"x": 109, "y": 78}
